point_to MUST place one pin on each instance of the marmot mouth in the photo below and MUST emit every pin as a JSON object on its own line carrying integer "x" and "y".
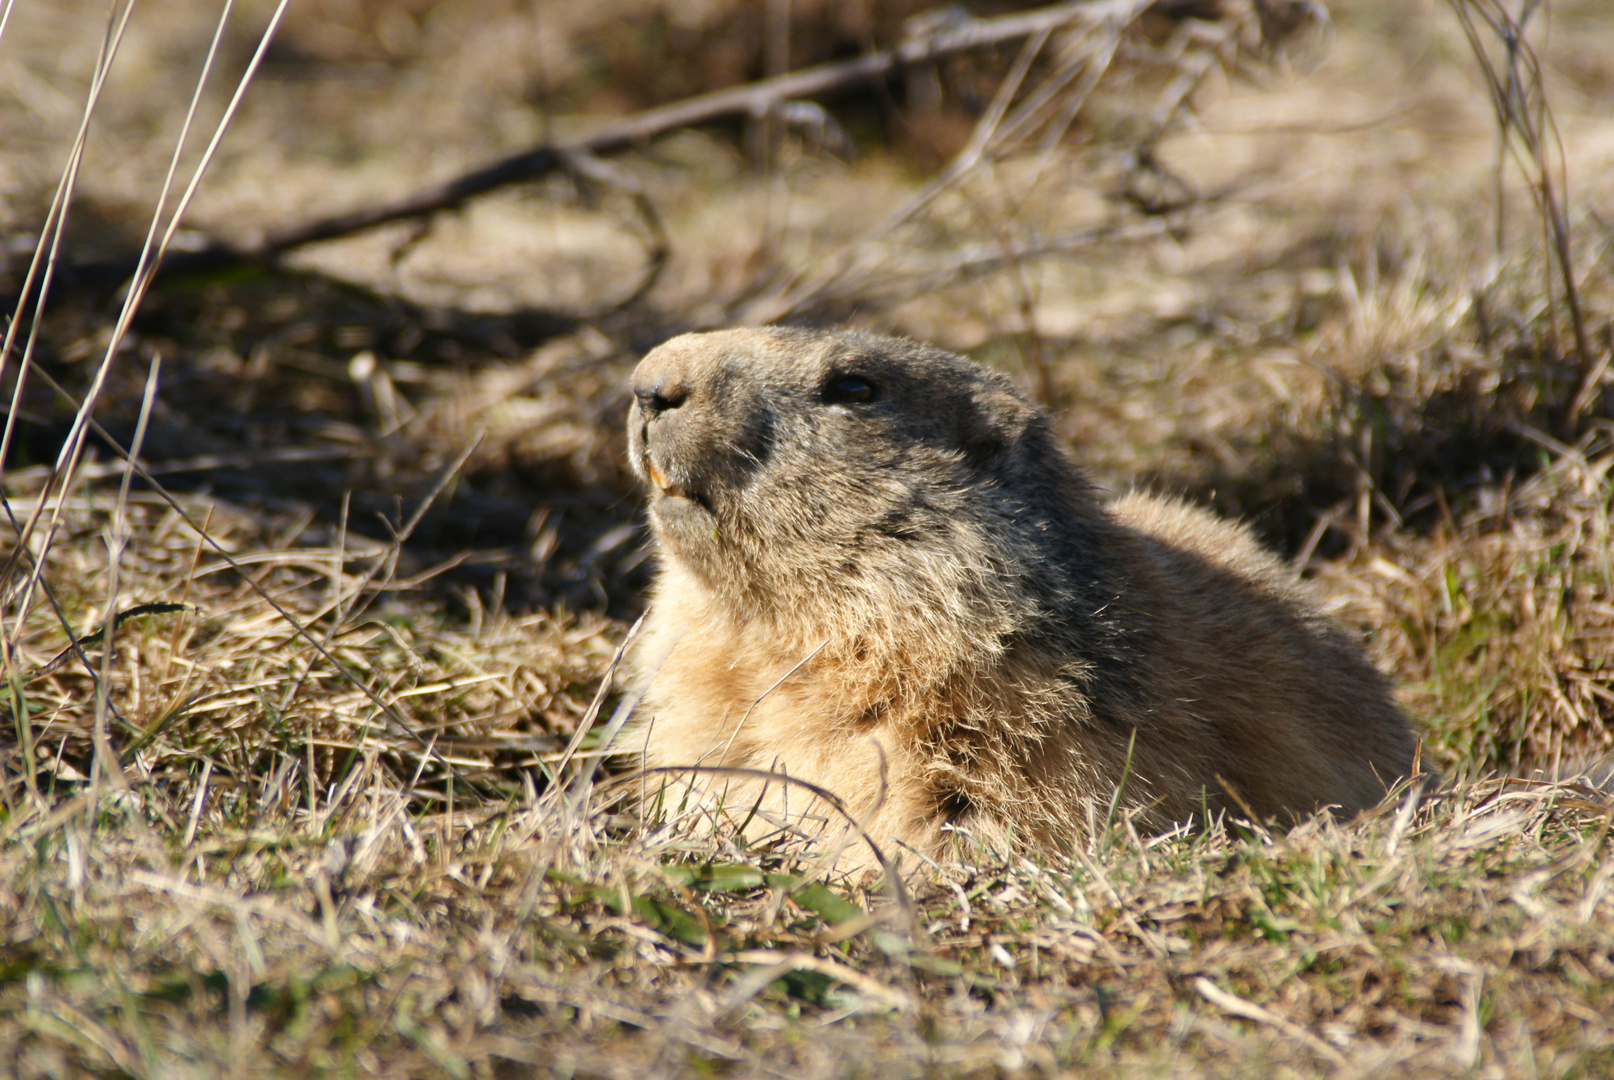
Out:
{"x": 667, "y": 488}
{"x": 663, "y": 484}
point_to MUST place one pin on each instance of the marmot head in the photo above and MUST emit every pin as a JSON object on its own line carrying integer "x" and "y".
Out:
{"x": 789, "y": 467}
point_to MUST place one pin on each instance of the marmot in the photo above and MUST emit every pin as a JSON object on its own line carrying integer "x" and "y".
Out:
{"x": 880, "y": 573}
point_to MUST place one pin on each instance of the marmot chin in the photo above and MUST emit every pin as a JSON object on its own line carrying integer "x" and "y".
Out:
{"x": 881, "y": 574}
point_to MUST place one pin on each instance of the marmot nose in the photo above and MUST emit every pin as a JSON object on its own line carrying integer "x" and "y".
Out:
{"x": 659, "y": 396}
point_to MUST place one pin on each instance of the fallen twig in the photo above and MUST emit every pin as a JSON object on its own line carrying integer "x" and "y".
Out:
{"x": 757, "y": 99}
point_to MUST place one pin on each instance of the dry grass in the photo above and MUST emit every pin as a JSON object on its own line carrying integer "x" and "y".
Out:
{"x": 345, "y": 817}
{"x": 369, "y": 935}
{"x": 1499, "y": 621}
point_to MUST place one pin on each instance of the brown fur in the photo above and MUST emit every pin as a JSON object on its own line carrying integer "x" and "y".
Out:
{"x": 918, "y": 602}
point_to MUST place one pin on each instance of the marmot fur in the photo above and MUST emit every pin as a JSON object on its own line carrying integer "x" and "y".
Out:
{"x": 881, "y": 574}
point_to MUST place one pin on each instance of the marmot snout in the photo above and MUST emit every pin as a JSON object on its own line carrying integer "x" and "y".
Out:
{"x": 882, "y": 575}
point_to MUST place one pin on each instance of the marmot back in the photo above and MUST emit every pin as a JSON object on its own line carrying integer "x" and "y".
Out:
{"x": 881, "y": 574}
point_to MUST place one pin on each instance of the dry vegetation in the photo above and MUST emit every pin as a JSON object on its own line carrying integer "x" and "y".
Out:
{"x": 332, "y": 800}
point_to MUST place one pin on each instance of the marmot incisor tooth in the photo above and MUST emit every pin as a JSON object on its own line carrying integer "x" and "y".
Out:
{"x": 867, "y": 540}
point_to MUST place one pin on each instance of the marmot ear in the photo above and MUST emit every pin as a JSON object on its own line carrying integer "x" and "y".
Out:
{"x": 999, "y": 421}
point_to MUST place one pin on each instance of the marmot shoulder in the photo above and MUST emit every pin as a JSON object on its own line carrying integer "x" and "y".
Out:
{"x": 881, "y": 574}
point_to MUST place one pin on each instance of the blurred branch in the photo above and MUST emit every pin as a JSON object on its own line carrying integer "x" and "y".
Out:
{"x": 1033, "y": 109}
{"x": 585, "y": 167}
{"x": 758, "y": 99}
{"x": 942, "y": 270}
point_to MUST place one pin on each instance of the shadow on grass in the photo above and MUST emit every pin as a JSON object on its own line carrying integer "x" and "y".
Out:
{"x": 1412, "y": 451}
{"x": 270, "y": 398}
{"x": 288, "y": 390}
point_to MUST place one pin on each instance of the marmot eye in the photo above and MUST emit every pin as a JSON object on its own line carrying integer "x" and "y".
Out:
{"x": 849, "y": 390}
